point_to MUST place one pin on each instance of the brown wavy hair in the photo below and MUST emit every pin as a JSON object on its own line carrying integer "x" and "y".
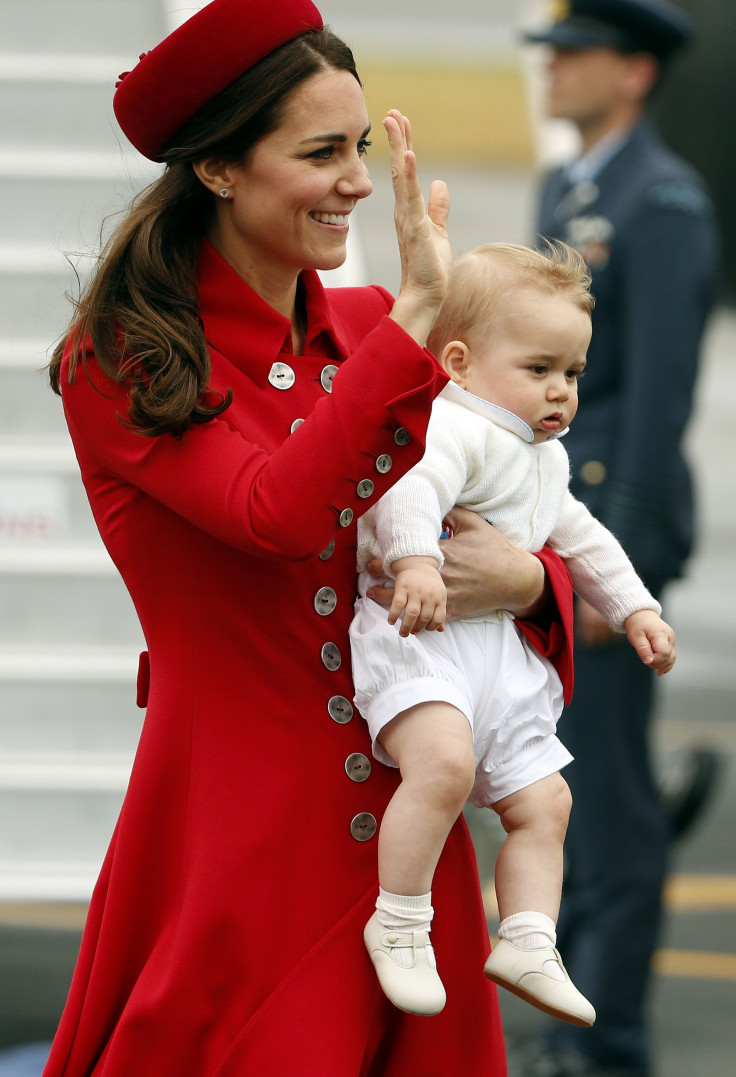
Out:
{"x": 140, "y": 308}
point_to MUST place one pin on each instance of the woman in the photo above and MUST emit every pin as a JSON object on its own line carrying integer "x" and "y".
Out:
{"x": 225, "y": 472}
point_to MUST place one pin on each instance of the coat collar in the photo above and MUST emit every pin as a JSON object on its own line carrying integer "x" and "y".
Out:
{"x": 250, "y": 333}
{"x": 629, "y": 146}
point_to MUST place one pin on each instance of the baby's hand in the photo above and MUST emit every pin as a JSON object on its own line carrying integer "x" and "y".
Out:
{"x": 419, "y": 594}
{"x": 652, "y": 639}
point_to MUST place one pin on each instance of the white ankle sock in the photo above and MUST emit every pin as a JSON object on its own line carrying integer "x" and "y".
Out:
{"x": 529, "y": 930}
{"x": 405, "y": 912}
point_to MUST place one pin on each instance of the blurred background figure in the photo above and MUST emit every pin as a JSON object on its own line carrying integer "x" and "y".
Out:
{"x": 645, "y": 224}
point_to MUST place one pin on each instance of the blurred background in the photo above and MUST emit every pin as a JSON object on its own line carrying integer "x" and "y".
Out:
{"x": 69, "y": 640}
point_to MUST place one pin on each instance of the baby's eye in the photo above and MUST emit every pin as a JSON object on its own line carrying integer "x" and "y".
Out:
{"x": 573, "y": 375}
{"x": 539, "y": 368}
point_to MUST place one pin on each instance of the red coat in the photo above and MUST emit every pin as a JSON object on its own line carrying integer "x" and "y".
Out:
{"x": 225, "y": 934}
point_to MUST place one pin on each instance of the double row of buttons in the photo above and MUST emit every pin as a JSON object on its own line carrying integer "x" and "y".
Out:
{"x": 357, "y": 766}
{"x": 363, "y": 826}
{"x": 282, "y": 376}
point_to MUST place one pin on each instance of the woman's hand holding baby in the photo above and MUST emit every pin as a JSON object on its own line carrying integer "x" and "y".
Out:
{"x": 419, "y": 595}
{"x": 652, "y": 639}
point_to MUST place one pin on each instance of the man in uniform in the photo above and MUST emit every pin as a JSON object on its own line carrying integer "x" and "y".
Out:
{"x": 644, "y": 223}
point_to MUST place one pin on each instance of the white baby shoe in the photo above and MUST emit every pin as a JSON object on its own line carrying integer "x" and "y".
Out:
{"x": 406, "y": 967}
{"x": 539, "y": 977}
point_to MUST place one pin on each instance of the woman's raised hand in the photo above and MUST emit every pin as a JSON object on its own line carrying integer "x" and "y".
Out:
{"x": 426, "y": 257}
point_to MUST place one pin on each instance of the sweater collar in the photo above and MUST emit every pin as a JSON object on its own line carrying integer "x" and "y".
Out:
{"x": 499, "y": 416}
{"x": 240, "y": 325}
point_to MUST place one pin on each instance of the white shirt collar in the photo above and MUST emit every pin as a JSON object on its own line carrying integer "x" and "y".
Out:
{"x": 588, "y": 167}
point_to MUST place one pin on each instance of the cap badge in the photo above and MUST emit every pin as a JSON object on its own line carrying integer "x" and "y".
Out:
{"x": 559, "y": 10}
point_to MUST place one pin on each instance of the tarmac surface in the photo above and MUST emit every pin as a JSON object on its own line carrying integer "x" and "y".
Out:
{"x": 694, "y": 995}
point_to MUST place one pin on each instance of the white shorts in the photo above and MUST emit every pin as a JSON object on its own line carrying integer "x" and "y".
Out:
{"x": 511, "y": 696}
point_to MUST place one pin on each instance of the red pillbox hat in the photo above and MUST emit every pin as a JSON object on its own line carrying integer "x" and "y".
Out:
{"x": 197, "y": 61}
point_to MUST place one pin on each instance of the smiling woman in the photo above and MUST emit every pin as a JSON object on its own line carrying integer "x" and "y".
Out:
{"x": 288, "y": 204}
{"x": 232, "y": 419}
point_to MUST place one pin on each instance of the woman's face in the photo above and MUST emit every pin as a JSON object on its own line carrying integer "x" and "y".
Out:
{"x": 291, "y": 200}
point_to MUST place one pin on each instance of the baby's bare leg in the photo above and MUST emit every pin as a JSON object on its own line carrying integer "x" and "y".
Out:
{"x": 433, "y": 746}
{"x": 528, "y": 888}
{"x": 529, "y": 866}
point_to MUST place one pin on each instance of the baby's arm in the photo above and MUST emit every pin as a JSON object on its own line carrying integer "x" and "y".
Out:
{"x": 605, "y": 578}
{"x": 652, "y": 639}
{"x": 419, "y": 594}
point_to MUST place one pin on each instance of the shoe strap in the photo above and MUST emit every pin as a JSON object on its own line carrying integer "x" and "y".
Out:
{"x": 415, "y": 940}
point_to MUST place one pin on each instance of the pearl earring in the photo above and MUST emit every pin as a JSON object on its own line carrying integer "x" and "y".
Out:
{"x": 224, "y": 193}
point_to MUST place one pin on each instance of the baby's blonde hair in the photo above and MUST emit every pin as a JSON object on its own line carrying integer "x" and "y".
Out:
{"x": 484, "y": 280}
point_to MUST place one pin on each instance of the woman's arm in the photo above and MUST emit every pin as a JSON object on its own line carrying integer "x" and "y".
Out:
{"x": 483, "y": 571}
{"x": 288, "y": 502}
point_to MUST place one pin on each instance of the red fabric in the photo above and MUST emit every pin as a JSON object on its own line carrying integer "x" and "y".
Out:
{"x": 224, "y": 937}
{"x": 554, "y": 640}
{"x": 173, "y": 81}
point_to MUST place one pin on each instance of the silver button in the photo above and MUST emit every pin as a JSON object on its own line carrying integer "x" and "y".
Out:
{"x": 384, "y": 463}
{"x": 325, "y": 601}
{"x": 365, "y": 488}
{"x": 331, "y": 657}
{"x": 358, "y": 767}
{"x": 297, "y": 423}
{"x": 326, "y": 377}
{"x": 340, "y": 710}
{"x": 281, "y": 376}
{"x": 402, "y": 436}
{"x": 327, "y": 552}
{"x": 346, "y": 517}
{"x": 363, "y": 826}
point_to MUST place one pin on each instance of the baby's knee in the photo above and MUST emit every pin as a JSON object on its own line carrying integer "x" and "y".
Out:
{"x": 559, "y": 800}
{"x": 543, "y": 806}
{"x": 452, "y": 774}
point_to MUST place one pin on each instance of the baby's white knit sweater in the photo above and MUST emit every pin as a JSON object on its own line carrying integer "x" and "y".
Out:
{"x": 483, "y": 458}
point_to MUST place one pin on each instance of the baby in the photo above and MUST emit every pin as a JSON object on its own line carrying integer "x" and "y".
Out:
{"x": 468, "y": 709}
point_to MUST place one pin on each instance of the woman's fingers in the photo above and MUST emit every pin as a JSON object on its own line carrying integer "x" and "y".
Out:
{"x": 424, "y": 246}
{"x": 395, "y": 121}
{"x": 439, "y": 204}
{"x": 404, "y": 171}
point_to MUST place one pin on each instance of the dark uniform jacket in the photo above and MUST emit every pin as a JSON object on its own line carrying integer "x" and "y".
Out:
{"x": 646, "y": 228}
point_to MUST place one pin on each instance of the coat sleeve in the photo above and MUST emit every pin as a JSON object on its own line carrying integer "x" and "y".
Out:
{"x": 551, "y": 633}
{"x": 284, "y": 504}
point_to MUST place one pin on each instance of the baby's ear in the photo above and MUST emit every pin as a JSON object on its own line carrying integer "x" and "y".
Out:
{"x": 455, "y": 359}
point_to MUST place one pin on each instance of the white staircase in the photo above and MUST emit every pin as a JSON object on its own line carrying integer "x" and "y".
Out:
{"x": 69, "y": 638}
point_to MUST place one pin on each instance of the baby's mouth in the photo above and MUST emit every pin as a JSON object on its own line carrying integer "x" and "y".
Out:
{"x": 552, "y": 422}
